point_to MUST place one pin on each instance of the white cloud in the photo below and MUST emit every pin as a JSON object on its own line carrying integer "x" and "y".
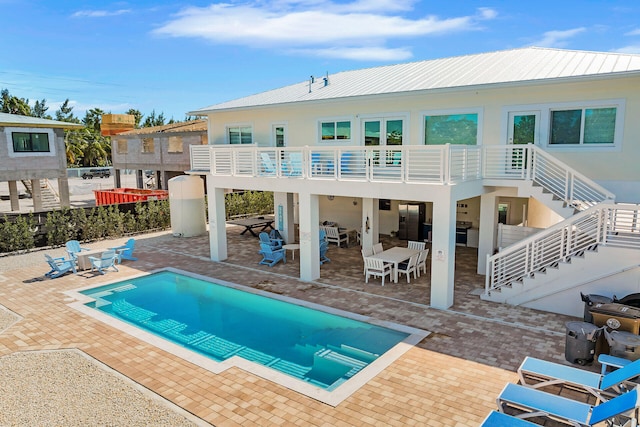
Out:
{"x": 359, "y": 53}
{"x": 320, "y": 28}
{"x": 558, "y": 38}
{"x": 635, "y": 32}
{"x": 628, "y": 49}
{"x": 99, "y": 13}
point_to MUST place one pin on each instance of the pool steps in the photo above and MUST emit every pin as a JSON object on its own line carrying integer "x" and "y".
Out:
{"x": 345, "y": 358}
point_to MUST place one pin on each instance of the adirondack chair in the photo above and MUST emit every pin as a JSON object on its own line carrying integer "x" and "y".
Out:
{"x": 271, "y": 256}
{"x": 59, "y": 266}
{"x": 73, "y": 248}
{"x": 273, "y": 243}
{"x": 125, "y": 251}
{"x": 324, "y": 247}
{"x": 335, "y": 236}
{"x": 107, "y": 260}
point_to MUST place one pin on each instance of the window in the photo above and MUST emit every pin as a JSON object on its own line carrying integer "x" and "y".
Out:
{"x": 147, "y": 145}
{"x": 30, "y": 142}
{"x": 240, "y": 135}
{"x": 334, "y": 131}
{"x": 583, "y": 126}
{"x": 122, "y": 147}
{"x": 451, "y": 129}
{"x": 175, "y": 144}
{"x": 279, "y": 136}
{"x": 383, "y": 132}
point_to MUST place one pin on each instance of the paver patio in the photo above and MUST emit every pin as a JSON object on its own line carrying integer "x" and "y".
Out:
{"x": 450, "y": 379}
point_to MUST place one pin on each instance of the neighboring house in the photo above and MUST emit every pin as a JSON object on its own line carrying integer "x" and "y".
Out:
{"x": 545, "y": 138}
{"x": 32, "y": 151}
{"x": 160, "y": 151}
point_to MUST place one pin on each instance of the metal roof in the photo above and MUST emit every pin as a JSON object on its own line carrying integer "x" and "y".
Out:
{"x": 34, "y": 122}
{"x": 531, "y": 64}
{"x": 188, "y": 126}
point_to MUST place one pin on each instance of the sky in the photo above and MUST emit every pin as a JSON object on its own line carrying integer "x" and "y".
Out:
{"x": 174, "y": 57}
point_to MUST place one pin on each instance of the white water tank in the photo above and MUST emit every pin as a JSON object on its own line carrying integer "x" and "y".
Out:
{"x": 186, "y": 204}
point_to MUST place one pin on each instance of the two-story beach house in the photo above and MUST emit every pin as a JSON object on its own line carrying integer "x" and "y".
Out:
{"x": 32, "y": 151}
{"x": 159, "y": 151}
{"x": 543, "y": 138}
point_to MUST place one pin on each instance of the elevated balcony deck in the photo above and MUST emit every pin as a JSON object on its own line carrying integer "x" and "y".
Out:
{"x": 443, "y": 165}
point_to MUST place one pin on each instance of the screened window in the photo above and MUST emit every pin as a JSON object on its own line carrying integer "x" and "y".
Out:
{"x": 583, "y": 126}
{"x": 147, "y": 145}
{"x": 122, "y": 146}
{"x": 30, "y": 142}
{"x": 240, "y": 135}
{"x": 334, "y": 131}
{"x": 451, "y": 129}
{"x": 175, "y": 144}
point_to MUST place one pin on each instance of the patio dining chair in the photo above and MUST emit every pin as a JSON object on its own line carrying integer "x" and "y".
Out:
{"x": 377, "y": 248}
{"x": 421, "y": 264}
{"x": 365, "y": 253}
{"x": 107, "y": 260}
{"x": 59, "y": 266}
{"x": 409, "y": 267}
{"x": 377, "y": 268}
{"x": 419, "y": 246}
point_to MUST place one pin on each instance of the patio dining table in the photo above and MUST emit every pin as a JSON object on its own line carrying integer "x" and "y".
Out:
{"x": 250, "y": 223}
{"x": 395, "y": 256}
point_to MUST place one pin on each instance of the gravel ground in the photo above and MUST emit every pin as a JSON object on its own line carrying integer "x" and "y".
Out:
{"x": 68, "y": 388}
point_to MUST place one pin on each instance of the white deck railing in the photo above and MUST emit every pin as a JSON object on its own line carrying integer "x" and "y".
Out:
{"x": 444, "y": 164}
{"x": 611, "y": 224}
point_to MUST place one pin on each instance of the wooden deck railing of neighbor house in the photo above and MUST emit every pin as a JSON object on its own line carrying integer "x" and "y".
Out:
{"x": 443, "y": 164}
{"x": 611, "y": 224}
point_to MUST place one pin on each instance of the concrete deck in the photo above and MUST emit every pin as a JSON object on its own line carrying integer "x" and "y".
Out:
{"x": 449, "y": 379}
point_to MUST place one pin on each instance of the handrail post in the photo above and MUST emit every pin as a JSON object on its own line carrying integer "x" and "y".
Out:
{"x": 490, "y": 276}
{"x": 530, "y": 162}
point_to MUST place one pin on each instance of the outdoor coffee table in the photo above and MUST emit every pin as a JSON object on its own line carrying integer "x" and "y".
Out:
{"x": 292, "y": 247}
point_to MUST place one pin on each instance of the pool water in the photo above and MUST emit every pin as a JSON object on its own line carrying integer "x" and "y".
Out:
{"x": 220, "y": 322}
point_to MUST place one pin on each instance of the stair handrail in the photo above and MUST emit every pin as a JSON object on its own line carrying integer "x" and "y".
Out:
{"x": 577, "y": 191}
{"x": 605, "y": 223}
{"x": 50, "y": 187}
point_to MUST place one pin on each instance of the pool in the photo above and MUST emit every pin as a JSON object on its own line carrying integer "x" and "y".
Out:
{"x": 314, "y": 345}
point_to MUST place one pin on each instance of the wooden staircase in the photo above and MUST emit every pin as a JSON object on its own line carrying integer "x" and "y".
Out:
{"x": 50, "y": 199}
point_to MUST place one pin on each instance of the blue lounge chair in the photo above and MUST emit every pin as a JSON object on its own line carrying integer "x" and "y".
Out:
{"x": 271, "y": 256}
{"x": 499, "y": 419}
{"x": 536, "y": 403}
{"x": 125, "y": 251}
{"x": 107, "y": 260}
{"x": 273, "y": 243}
{"x": 536, "y": 373}
{"x": 73, "y": 248}
{"x": 59, "y": 266}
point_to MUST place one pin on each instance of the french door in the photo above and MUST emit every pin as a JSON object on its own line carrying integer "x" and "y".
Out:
{"x": 524, "y": 128}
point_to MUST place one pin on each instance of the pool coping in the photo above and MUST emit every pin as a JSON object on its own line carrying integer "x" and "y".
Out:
{"x": 333, "y": 397}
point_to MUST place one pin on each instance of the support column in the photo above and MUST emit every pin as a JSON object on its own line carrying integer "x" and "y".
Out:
{"x": 309, "y": 217}
{"x": 63, "y": 191}
{"x": 443, "y": 255}
{"x": 369, "y": 217}
{"x": 139, "y": 179}
{"x": 14, "y": 196}
{"x": 217, "y": 221}
{"x": 117, "y": 178}
{"x": 283, "y": 208}
{"x": 488, "y": 222}
{"x": 36, "y": 195}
